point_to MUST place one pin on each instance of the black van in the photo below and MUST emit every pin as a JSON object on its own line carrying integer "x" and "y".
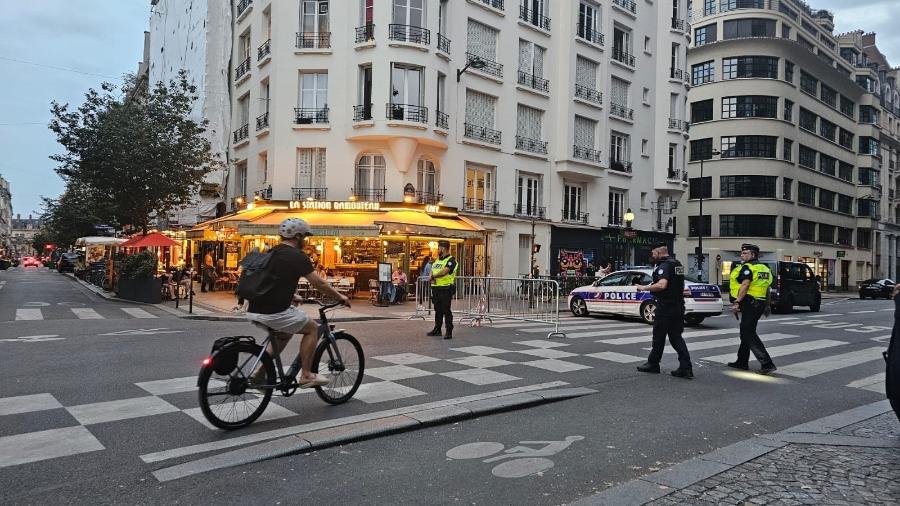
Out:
{"x": 795, "y": 285}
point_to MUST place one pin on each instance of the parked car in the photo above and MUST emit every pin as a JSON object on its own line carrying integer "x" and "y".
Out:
{"x": 795, "y": 285}
{"x": 876, "y": 288}
{"x": 30, "y": 262}
{"x": 66, "y": 262}
{"x": 616, "y": 295}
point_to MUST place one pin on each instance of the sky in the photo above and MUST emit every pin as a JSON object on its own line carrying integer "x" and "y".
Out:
{"x": 103, "y": 39}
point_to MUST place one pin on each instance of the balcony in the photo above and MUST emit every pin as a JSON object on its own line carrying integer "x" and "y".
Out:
{"x": 483, "y": 134}
{"x": 676, "y": 124}
{"x": 620, "y": 165}
{"x": 407, "y": 112}
{"x": 242, "y": 6}
{"x": 309, "y": 193}
{"x": 237, "y": 202}
{"x": 410, "y": 34}
{"x": 480, "y": 205}
{"x": 311, "y": 40}
{"x": 442, "y": 120}
{"x": 678, "y": 24}
{"x": 490, "y": 67}
{"x": 362, "y": 112}
{"x": 628, "y": 5}
{"x": 262, "y": 121}
{"x": 365, "y": 33}
{"x": 264, "y": 193}
{"x": 586, "y": 153}
{"x": 675, "y": 73}
{"x": 621, "y": 111}
{"x": 530, "y": 211}
{"x": 621, "y": 56}
{"x": 575, "y": 217}
{"x": 674, "y": 175}
{"x": 443, "y": 44}
{"x": 589, "y": 34}
{"x": 429, "y": 198}
{"x": 264, "y": 50}
{"x": 496, "y": 4}
{"x": 369, "y": 194}
{"x": 531, "y": 145}
{"x": 589, "y": 94}
{"x": 310, "y": 115}
{"x": 241, "y": 133}
{"x": 534, "y": 82}
{"x": 534, "y": 17}
{"x": 242, "y": 69}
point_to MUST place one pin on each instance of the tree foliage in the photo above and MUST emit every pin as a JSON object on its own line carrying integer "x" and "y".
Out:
{"x": 132, "y": 158}
{"x": 74, "y": 214}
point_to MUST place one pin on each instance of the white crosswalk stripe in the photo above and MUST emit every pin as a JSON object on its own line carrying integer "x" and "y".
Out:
{"x": 595, "y": 326}
{"x": 86, "y": 313}
{"x": 832, "y": 363}
{"x": 780, "y": 351}
{"x": 29, "y": 314}
{"x": 648, "y": 335}
{"x": 729, "y": 341}
{"x": 874, "y": 383}
{"x": 137, "y": 312}
{"x": 616, "y": 357}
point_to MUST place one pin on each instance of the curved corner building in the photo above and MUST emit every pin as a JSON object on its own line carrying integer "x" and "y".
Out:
{"x": 786, "y": 123}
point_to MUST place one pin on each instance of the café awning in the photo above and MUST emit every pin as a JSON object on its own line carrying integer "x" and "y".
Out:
{"x": 367, "y": 224}
{"x": 99, "y": 241}
{"x": 206, "y": 230}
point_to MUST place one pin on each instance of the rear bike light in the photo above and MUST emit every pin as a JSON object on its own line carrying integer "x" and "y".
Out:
{"x": 207, "y": 361}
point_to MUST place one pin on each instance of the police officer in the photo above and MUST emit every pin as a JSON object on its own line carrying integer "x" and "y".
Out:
{"x": 668, "y": 285}
{"x": 749, "y": 289}
{"x": 443, "y": 286}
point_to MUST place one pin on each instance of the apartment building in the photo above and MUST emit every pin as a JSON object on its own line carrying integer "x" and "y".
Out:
{"x": 22, "y": 234}
{"x": 784, "y": 151}
{"x": 537, "y": 127}
{"x": 5, "y": 217}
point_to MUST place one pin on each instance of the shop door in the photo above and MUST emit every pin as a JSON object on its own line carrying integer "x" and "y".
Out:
{"x": 524, "y": 254}
{"x": 845, "y": 275}
{"x": 480, "y": 264}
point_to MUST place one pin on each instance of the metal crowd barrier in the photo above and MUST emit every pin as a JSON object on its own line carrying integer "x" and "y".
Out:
{"x": 485, "y": 298}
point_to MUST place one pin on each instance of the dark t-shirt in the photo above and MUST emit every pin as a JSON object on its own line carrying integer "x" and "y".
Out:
{"x": 289, "y": 264}
{"x": 671, "y": 270}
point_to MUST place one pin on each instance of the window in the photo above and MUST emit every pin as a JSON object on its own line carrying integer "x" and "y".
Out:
{"x": 788, "y": 110}
{"x": 730, "y": 5}
{"x": 807, "y": 157}
{"x": 528, "y": 194}
{"x": 806, "y": 194}
{"x": 370, "y": 173}
{"x": 827, "y": 129}
{"x": 313, "y": 92}
{"x": 867, "y": 176}
{"x": 694, "y": 225}
{"x": 588, "y": 22}
{"x": 440, "y": 105}
{"x": 827, "y": 164}
{"x": 622, "y": 50}
{"x": 702, "y": 111}
{"x": 808, "y": 120}
{"x": 701, "y": 149}
{"x": 748, "y": 27}
{"x": 808, "y": 83}
{"x": 479, "y": 188}
{"x": 788, "y": 71}
{"x": 788, "y": 150}
{"x": 746, "y": 225}
{"x": 705, "y": 35}
{"x": 868, "y": 146}
{"x": 646, "y": 96}
{"x": 481, "y": 40}
{"x": 673, "y": 160}
{"x": 698, "y": 188}
{"x": 750, "y": 106}
{"x": 314, "y": 17}
{"x": 644, "y": 144}
{"x": 747, "y": 186}
{"x": 408, "y": 12}
{"x": 845, "y": 204}
{"x": 847, "y": 106}
{"x": 240, "y": 179}
{"x": 428, "y": 180}
{"x": 528, "y": 129}
{"x": 572, "y": 195}
{"x": 826, "y": 199}
{"x": 531, "y": 58}
{"x": 828, "y": 95}
{"x": 785, "y": 227}
{"x": 845, "y": 139}
{"x": 646, "y": 44}
{"x": 845, "y": 171}
{"x": 585, "y": 132}
{"x": 785, "y": 28}
{"x": 868, "y": 114}
{"x": 586, "y": 73}
{"x": 787, "y": 190}
{"x": 619, "y": 91}
{"x": 616, "y": 207}
{"x": 703, "y": 73}
{"x": 480, "y": 109}
{"x": 406, "y": 86}
{"x": 750, "y": 66}
{"x": 709, "y": 7}
{"x": 749, "y": 146}
{"x": 845, "y": 236}
{"x": 806, "y": 230}
{"x": 864, "y": 238}
{"x": 619, "y": 147}
{"x": 310, "y": 168}
{"x": 367, "y": 11}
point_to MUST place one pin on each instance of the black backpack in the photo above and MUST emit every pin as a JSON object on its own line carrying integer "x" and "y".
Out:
{"x": 257, "y": 279}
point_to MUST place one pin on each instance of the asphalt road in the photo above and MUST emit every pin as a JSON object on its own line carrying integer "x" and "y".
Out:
{"x": 98, "y": 401}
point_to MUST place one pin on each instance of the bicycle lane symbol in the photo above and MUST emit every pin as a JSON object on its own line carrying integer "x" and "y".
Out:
{"x": 522, "y": 460}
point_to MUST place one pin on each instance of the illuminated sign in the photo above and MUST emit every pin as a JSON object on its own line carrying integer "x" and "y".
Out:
{"x": 316, "y": 205}
{"x": 432, "y": 208}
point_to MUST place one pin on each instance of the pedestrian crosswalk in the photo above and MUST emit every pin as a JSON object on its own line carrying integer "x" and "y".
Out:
{"x": 79, "y": 313}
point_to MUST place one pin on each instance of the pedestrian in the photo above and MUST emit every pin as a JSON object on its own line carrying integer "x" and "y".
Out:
{"x": 892, "y": 357}
{"x": 443, "y": 286}
{"x": 426, "y": 268}
{"x": 605, "y": 268}
{"x": 749, "y": 290}
{"x": 208, "y": 274}
{"x": 668, "y": 287}
{"x": 591, "y": 270}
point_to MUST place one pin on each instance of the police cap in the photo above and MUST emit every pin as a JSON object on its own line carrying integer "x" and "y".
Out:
{"x": 444, "y": 244}
{"x": 750, "y": 247}
{"x": 660, "y": 244}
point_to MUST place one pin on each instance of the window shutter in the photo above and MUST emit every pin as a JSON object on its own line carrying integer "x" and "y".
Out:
{"x": 539, "y": 61}
{"x": 480, "y": 109}
{"x": 529, "y": 122}
{"x": 586, "y": 73}
{"x": 304, "y": 167}
{"x": 619, "y": 92}
{"x": 584, "y": 132}
{"x": 482, "y": 40}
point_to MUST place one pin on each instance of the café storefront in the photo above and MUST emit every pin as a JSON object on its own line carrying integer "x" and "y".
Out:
{"x": 572, "y": 248}
{"x": 349, "y": 238}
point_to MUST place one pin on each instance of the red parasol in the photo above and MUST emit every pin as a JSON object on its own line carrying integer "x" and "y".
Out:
{"x": 153, "y": 240}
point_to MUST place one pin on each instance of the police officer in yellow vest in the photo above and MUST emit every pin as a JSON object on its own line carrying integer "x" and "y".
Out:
{"x": 749, "y": 289}
{"x": 443, "y": 286}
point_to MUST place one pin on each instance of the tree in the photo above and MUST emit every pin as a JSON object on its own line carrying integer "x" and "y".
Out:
{"x": 137, "y": 157}
{"x": 74, "y": 214}
{"x": 40, "y": 240}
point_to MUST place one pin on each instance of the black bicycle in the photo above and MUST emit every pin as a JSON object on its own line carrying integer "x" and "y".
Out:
{"x": 237, "y": 380}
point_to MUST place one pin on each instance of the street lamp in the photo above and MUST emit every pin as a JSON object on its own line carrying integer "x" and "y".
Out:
{"x": 629, "y": 217}
{"x": 476, "y": 63}
{"x": 699, "y": 252}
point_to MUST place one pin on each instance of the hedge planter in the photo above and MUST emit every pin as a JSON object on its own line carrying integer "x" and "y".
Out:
{"x": 141, "y": 290}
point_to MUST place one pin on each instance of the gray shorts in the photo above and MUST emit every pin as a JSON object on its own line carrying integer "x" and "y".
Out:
{"x": 290, "y": 321}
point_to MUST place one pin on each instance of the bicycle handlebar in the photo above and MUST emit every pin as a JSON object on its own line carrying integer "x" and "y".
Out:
{"x": 322, "y": 307}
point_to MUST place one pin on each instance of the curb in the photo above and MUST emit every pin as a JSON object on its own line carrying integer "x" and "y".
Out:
{"x": 368, "y": 429}
{"x": 662, "y": 483}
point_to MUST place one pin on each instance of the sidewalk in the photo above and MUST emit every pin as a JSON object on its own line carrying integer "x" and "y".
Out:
{"x": 846, "y": 458}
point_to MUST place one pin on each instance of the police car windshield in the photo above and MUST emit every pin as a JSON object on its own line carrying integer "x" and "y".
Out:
{"x": 692, "y": 279}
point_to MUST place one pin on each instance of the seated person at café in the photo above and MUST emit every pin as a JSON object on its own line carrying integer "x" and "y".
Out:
{"x": 398, "y": 286}
{"x": 320, "y": 271}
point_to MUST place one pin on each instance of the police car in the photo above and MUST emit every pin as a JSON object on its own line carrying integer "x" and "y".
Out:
{"x": 616, "y": 294}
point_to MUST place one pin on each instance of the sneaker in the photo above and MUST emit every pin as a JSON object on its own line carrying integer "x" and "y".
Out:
{"x": 434, "y": 333}
{"x": 738, "y": 365}
{"x": 648, "y": 367}
{"x": 767, "y": 368}
{"x": 318, "y": 381}
{"x": 683, "y": 373}
{"x": 448, "y": 335}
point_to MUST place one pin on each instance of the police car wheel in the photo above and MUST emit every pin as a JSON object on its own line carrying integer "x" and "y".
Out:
{"x": 648, "y": 312}
{"x": 578, "y": 307}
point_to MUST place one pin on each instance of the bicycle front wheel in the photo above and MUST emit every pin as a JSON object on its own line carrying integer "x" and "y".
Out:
{"x": 226, "y": 400}
{"x": 346, "y": 375}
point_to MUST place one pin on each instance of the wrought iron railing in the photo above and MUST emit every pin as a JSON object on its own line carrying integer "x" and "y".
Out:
{"x": 575, "y": 217}
{"x": 674, "y": 175}
{"x": 497, "y": 4}
{"x": 311, "y": 40}
{"x": 676, "y": 73}
{"x": 365, "y": 33}
{"x": 242, "y": 6}
{"x": 589, "y": 94}
{"x": 628, "y": 5}
{"x": 442, "y": 120}
{"x": 586, "y": 153}
{"x": 310, "y": 115}
{"x": 407, "y": 112}
{"x": 429, "y": 198}
{"x": 533, "y": 211}
{"x": 369, "y": 194}
{"x": 589, "y": 34}
{"x": 534, "y": 82}
{"x": 621, "y": 111}
{"x": 621, "y": 56}
{"x": 264, "y": 193}
{"x": 490, "y": 67}
{"x": 481, "y": 205}
{"x": 676, "y": 124}
{"x": 262, "y": 121}
{"x": 443, "y": 44}
{"x": 242, "y": 69}
{"x": 678, "y": 24}
{"x": 241, "y": 133}
{"x": 534, "y": 17}
{"x": 264, "y": 50}
{"x": 409, "y": 33}
{"x": 532, "y": 145}
{"x": 309, "y": 193}
{"x": 619, "y": 165}
{"x": 362, "y": 112}
{"x": 481, "y": 133}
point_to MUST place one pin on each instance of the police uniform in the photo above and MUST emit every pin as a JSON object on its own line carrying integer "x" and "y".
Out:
{"x": 669, "y": 318}
{"x": 752, "y": 307}
{"x": 442, "y": 290}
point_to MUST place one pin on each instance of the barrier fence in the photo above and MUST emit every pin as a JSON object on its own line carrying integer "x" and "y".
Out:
{"x": 485, "y": 298}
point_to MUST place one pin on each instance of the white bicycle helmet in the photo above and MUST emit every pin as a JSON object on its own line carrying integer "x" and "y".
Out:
{"x": 292, "y": 227}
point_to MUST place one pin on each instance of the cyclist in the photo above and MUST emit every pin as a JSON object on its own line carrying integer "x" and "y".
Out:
{"x": 275, "y": 310}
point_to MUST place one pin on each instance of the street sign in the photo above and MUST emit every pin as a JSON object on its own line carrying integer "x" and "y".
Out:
{"x": 841, "y": 253}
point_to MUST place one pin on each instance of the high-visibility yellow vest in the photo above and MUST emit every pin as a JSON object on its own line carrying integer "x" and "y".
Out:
{"x": 437, "y": 267}
{"x": 759, "y": 282}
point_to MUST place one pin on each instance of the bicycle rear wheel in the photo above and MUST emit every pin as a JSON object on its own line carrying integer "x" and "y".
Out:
{"x": 225, "y": 399}
{"x": 345, "y": 377}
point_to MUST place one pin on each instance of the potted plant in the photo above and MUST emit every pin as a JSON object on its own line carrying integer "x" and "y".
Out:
{"x": 137, "y": 282}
